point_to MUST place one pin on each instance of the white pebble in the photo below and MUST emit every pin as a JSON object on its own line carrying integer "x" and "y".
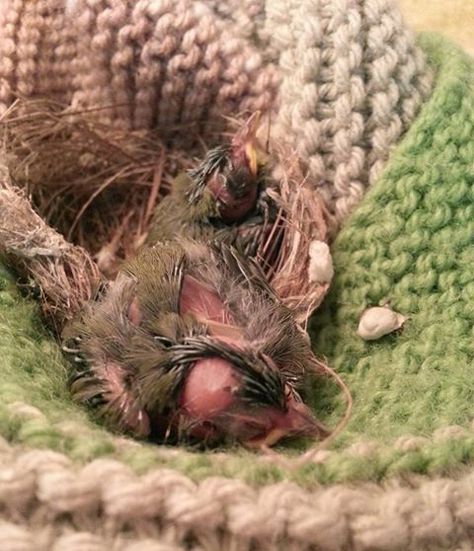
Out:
{"x": 378, "y": 321}
{"x": 320, "y": 268}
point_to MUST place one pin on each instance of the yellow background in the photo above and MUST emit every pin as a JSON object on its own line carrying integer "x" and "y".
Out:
{"x": 453, "y": 18}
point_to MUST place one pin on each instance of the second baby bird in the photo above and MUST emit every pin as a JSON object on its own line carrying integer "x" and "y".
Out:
{"x": 221, "y": 197}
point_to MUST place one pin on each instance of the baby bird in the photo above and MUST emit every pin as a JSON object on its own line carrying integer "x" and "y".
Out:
{"x": 222, "y": 192}
{"x": 189, "y": 342}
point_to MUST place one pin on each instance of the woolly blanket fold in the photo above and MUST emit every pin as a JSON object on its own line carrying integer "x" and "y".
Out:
{"x": 66, "y": 483}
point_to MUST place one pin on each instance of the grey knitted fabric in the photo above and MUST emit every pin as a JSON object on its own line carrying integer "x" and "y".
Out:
{"x": 343, "y": 78}
{"x": 352, "y": 82}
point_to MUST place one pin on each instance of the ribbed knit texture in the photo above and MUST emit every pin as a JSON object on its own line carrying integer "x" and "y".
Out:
{"x": 353, "y": 80}
{"x": 167, "y": 64}
{"x": 342, "y": 79}
{"x": 36, "y": 49}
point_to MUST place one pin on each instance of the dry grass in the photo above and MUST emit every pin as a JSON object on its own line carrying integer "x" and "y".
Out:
{"x": 452, "y": 18}
{"x": 95, "y": 184}
{"x": 303, "y": 219}
{"x": 98, "y": 186}
{"x": 62, "y": 274}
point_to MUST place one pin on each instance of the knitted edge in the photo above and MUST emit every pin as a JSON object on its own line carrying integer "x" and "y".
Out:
{"x": 364, "y": 460}
{"x": 49, "y": 503}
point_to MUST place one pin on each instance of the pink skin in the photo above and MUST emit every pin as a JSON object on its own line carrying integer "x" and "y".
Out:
{"x": 232, "y": 209}
{"x": 209, "y": 388}
{"x": 201, "y": 301}
{"x": 195, "y": 298}
{"x": 209, "y": 400}
{"x": 134, "y": 313}
{"x": 134, "y": 418}
{"x": 206, "y": 306}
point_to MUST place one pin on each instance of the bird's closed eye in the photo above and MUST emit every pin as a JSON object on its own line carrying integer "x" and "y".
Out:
{"x": 163, "y": 341}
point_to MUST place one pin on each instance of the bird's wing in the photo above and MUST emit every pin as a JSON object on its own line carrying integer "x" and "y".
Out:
{"x": 243, "y": 270}
{"x": 158, "y": 272}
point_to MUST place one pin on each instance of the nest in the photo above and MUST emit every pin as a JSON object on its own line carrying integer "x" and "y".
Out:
{"x": 302, "y": 219}
{"x": 95, "y": 184}
{"x": 63, "y": 275}
{"x": 77, "y": 198}
{"x": 97, "y": 187}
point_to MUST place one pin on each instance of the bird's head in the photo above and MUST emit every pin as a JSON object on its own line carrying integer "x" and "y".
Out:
{"x": 230, "y": 174}
{"x": 229, "y": 391}
{"x": 244, "y": 150}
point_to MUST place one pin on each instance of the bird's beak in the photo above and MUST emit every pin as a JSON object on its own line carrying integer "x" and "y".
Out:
{"x": 300, "y": 420}
{"x": 268, "y": 440}
{"x": 250, "y": 140}
{"x": 297, "y": 421}
{"x": 251, "y": 154}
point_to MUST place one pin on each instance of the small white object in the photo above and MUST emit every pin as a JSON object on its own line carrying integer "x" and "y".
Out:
{"x": 320, "y": 268}
{"x": 378, "y": 321}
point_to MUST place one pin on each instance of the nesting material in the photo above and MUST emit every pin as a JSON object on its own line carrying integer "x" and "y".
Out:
{"x": 64, "y": 275}
{"x": 303, "y": 220}
{"x": 379, "y": 321}
{"x": 98, "y": 186}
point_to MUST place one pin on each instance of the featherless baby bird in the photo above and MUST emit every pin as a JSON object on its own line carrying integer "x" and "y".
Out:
{"x": 224, "y": 197}
{"x": 189, "y": 342}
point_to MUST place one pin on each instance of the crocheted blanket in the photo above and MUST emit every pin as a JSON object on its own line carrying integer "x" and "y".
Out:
{"x": 68, "y": 483}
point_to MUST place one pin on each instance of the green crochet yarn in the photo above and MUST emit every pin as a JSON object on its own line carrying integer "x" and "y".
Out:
{"x": 411, "y": 242}
{"x": 33, "y": 372}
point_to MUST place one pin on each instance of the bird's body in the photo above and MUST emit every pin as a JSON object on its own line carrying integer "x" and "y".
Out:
{"x": 190, "y": 341}
{"x": 177, "y": 216}
{"x": 223, "y": 198}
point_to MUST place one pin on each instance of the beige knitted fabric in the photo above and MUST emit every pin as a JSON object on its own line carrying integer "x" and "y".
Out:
{"x": 50, "y": 504}
{"x": 353, "y": 81}
{"x": 36, "y": 48}
{"x": 167, "y": 64}
{"x": 343, "y": 77}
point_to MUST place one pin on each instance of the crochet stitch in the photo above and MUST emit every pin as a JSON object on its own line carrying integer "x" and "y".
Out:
{"x": 409, "y": 242}
{"x": 104, "y": 505}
